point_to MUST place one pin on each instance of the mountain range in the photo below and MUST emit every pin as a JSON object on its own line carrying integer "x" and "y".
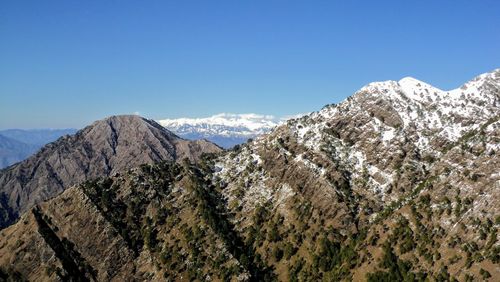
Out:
{"x": 226, "y": 130}
{"x": 12, "y": 151}
{"x": 18, "y": 144}
{"x": 38, "y": 137}
{"x": 399, "y": 182}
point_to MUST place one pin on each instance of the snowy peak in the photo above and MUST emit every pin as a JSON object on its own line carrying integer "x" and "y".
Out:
{"x": 409, "y": 80}
{"x": 389, "y": 113}
{"x": 421, "y": 91}
{"x": 410, "y": 86}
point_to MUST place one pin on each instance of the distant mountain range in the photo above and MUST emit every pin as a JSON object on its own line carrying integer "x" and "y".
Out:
{"x": 13, "y": 151}
{"x": 226, "y": 130}
{"x": 38, "y": 137}
{"x": 18, "y": 144}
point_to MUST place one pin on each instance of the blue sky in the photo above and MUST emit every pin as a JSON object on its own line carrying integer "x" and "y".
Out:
{"x": 67, "y": 63}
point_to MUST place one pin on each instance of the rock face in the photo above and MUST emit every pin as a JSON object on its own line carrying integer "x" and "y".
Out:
{"x": 400, "y": 182}
{"x": 106, "y": 147}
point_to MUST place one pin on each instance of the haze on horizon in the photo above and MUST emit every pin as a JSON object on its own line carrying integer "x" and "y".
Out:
{"x": 67, "y": 64}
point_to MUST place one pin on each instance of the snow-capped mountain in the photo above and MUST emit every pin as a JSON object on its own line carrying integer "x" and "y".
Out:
{"x": 224, "y": 129}
{"x": 400, "y": 160}
{"x": 386, "y": 125}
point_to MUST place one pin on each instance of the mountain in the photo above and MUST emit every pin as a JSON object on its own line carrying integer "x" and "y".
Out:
{"x": 399, "y": 182}
{"x": 18, "y": 144}
{"x": 12, "y": 151}
{"x": 104, "y": 148}
{"x": 38, "y": 137}
{"x": 226, "y": 130}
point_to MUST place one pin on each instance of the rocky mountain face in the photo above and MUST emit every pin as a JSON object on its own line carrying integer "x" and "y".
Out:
{"x": 400, "y": 182}
{"x": 225, "y": 130}
{"x": 104, "y": 148}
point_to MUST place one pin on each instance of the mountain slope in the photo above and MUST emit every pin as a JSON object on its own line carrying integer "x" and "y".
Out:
{"x": 150, "y": 223}
{"x": 104, "y": 148}
{"x": 397, "y": 183}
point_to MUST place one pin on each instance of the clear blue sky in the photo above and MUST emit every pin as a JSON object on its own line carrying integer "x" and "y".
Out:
{"x": 67, "y": 63}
